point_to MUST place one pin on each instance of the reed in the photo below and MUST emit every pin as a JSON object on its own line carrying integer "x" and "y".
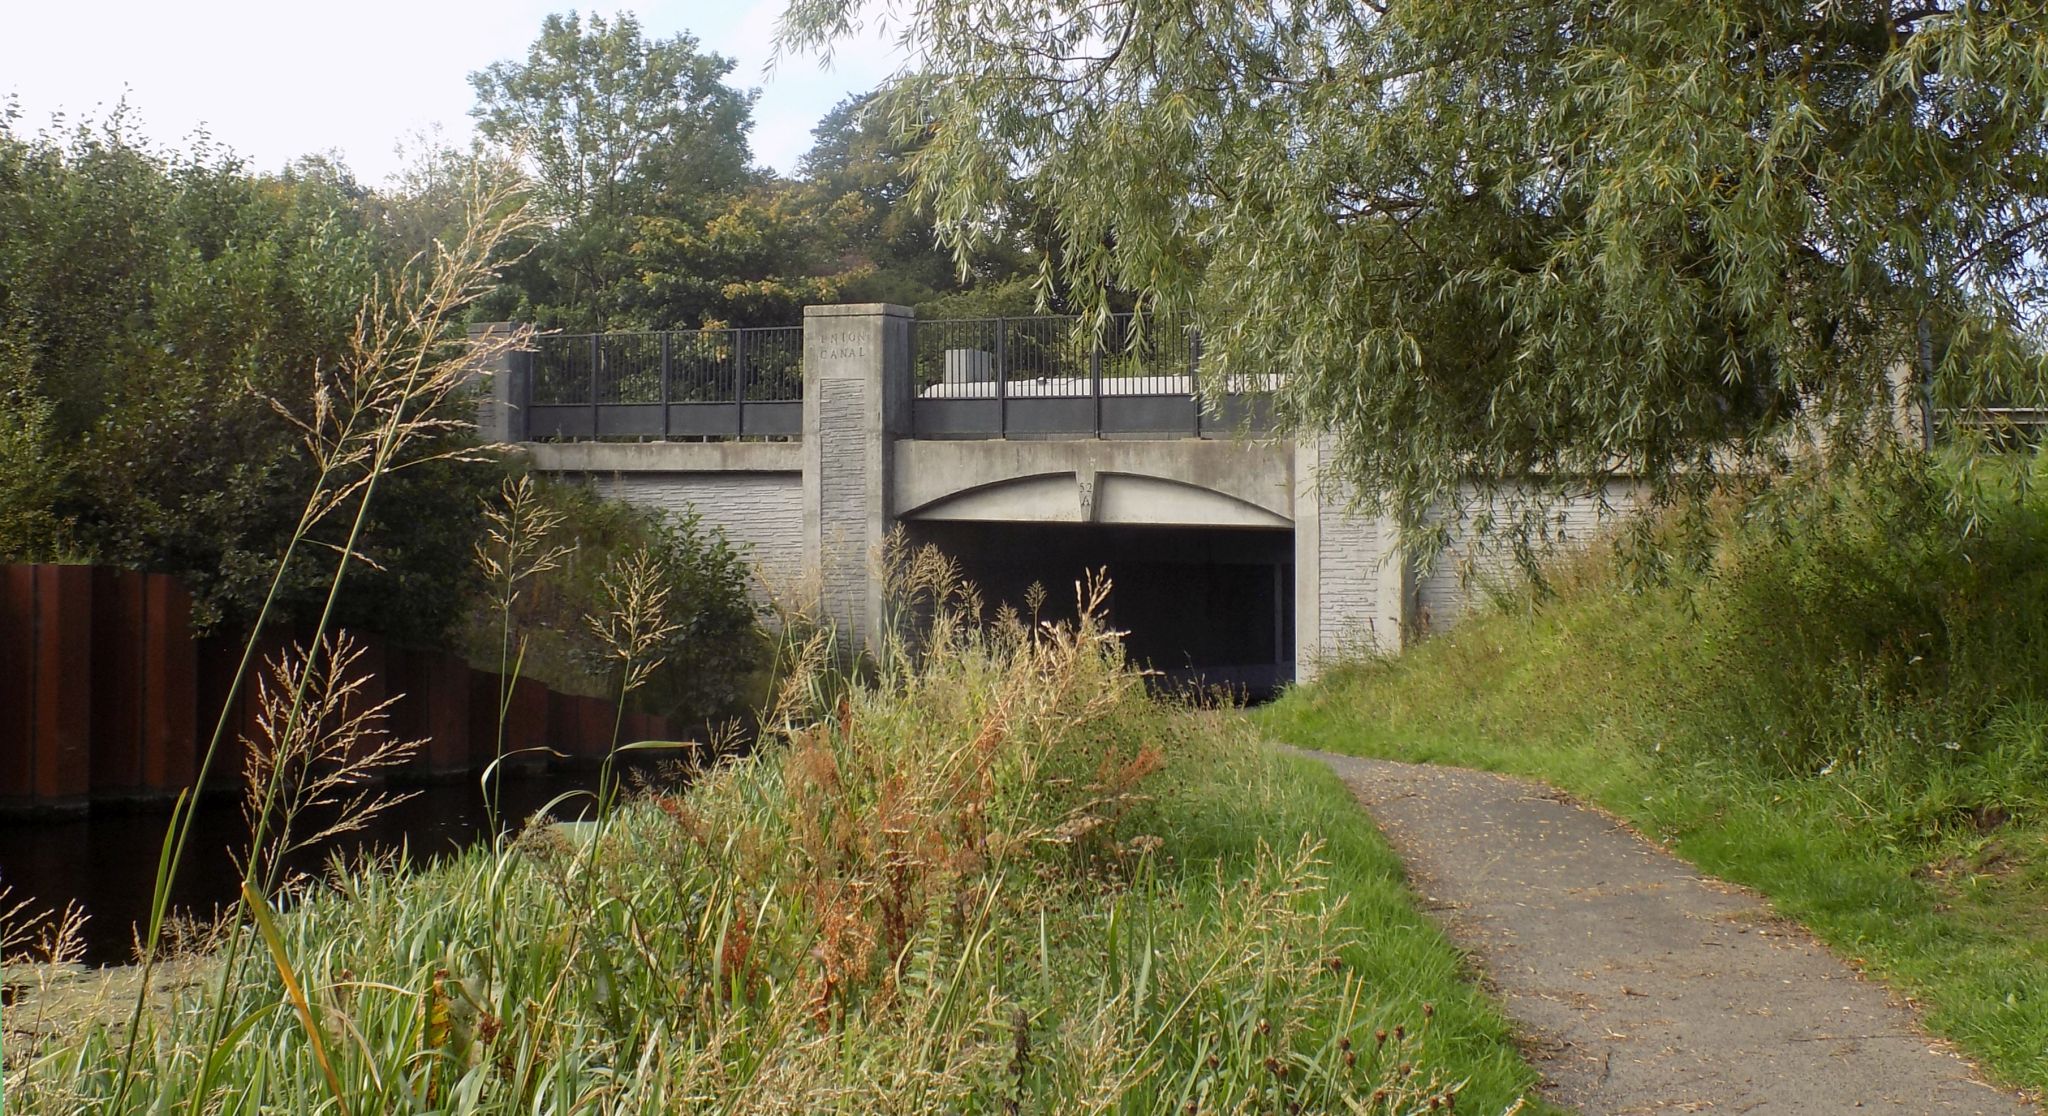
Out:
{"x": 407, "y": 365}
{"x": 318, "y": 752}
{"x": 993, "y": 877}
{"x": 517, "y": 546}
{"x": 632, "y": 626}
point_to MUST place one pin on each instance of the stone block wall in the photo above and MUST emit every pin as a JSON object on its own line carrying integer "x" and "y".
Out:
{"x": 1348, "y": 557}
{"x": 1351, "y": 593}
{"x": 1475, "y": 563}
{"x": 762, "y": 513}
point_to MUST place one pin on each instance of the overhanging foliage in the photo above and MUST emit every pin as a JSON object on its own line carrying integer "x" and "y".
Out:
{"x": 1563, "y": 238}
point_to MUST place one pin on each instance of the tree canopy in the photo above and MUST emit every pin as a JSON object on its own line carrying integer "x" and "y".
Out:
{"x": 152, "y": 305}
{"x": 604, "y": 115}
{"x": 638, "y": 151}
{"x": 1562, "y": 238}
{"x": 161, "y": 313}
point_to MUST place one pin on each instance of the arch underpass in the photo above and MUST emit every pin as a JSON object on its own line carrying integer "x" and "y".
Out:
{"x": 1209, "y": 605}
{"x": 1193, "y": 537}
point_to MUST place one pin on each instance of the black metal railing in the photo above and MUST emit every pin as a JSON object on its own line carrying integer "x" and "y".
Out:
{"x": 1141, "y": 375}
{"x": 2003, "y": 428}
{"x": 679, "y": 383}
{"x": 1138, "y": 376}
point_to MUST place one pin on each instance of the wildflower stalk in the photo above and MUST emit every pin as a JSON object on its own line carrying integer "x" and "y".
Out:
{"x": 633, "y": 626}
{"x": 514, "y": 549}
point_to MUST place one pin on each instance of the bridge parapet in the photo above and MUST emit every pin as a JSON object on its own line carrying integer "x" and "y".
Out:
{"x": 1138, "y": 376}
{"x": 700, "y": 383}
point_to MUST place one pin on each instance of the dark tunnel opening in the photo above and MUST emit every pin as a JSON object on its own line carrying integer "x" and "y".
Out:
{"x": 1203, "y": 606}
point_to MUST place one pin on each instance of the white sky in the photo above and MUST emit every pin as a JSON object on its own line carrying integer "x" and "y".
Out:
{"x": 274, "y": 80}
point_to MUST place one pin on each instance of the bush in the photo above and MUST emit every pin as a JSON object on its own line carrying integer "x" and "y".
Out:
{"x": 714, "y": 654}
{"x": 1878, "y": 622}
{"x": 153, "y": 306}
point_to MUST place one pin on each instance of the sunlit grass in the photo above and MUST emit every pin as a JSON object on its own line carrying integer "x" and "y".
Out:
{"x": 1000, "y": 878}
{"x": 1844, "y": 709}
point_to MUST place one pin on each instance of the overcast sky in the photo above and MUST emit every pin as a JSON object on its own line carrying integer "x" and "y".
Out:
{"x": 274, "y": 80}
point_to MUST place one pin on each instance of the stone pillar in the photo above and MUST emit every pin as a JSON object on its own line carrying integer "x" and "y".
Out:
{"x": 500, "y": 400}
{"x": 857, "y": 390}
{"x": 1352, "y": 585}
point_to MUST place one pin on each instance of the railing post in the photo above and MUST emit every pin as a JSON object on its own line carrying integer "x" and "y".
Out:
{"x": 1002, "y": 381}
{"x": 1195, "y": 375}
{"x": 739, "y": 383}
{"x": 527, "y": 372}
{"x": 1095, "y": 381}
{"x": 596, "y": 356}
{"x": 666, "y": 339}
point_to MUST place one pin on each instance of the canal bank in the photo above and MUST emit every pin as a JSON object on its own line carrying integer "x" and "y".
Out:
{"x": 105, "y": 860}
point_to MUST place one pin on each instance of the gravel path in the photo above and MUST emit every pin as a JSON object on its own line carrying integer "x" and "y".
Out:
{"x": 1643, "y": 986}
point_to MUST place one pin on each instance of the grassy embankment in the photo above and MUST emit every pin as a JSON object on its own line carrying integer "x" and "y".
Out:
{"x": 1844, "y": 704}
{"x": 1002, "y": 881}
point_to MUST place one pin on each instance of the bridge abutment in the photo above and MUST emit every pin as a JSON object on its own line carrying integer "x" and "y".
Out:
{"x": 1353, "y": 588}
{"x": 857, "y": 391}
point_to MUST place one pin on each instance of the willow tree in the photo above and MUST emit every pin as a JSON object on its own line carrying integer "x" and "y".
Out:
{"x": 1555, "y": 238}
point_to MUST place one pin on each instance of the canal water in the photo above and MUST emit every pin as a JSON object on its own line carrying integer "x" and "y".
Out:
{"x": 106, "y": 861}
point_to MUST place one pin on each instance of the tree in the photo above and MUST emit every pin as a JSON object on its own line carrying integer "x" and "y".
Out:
{"x": 861, "y": 158}
{"x": 152, "y": 304}
{"x": 613, "y": 127}
{"x": 757, "y": 259}
{"x": 858, "y": 157}
{"x": 428, "y": 198}
{"x": 1563, "y": 238}
{"x": 638, "y": 150}
{"x": 600, "y": 111}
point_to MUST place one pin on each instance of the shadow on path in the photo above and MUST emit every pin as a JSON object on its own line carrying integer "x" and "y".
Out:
{"x": 1643, "y": 986}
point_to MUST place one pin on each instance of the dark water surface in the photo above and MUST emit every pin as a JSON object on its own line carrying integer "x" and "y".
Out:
{"x": 106, "y": 861}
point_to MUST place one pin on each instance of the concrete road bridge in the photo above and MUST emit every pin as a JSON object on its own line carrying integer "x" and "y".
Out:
{"x": 1026, "y": 454}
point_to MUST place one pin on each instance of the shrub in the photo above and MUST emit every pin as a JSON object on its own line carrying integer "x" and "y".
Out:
{"x": 713, "y": 656}
{"x": 1878, "y": 621}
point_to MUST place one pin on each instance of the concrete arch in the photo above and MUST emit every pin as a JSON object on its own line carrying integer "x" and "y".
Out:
{"x": 1166, "y": 484}
{"x": 1123, "y": 499}
{"x": 1040, "y": 498}
{"x": 1193, "y": 484}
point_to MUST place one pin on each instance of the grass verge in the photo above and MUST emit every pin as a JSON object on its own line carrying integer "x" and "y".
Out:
{"x": 1001, "y": 880}
{"x": 1839, "y": 704}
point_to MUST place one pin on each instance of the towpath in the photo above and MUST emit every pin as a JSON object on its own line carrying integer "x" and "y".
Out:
{"x": 1644, "y": 987}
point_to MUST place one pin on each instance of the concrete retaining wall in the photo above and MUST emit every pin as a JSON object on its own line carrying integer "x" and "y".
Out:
{"x": 754, "y": 491}
{"x": 1475, "y": 564}
{"x": 762, "y": 513}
